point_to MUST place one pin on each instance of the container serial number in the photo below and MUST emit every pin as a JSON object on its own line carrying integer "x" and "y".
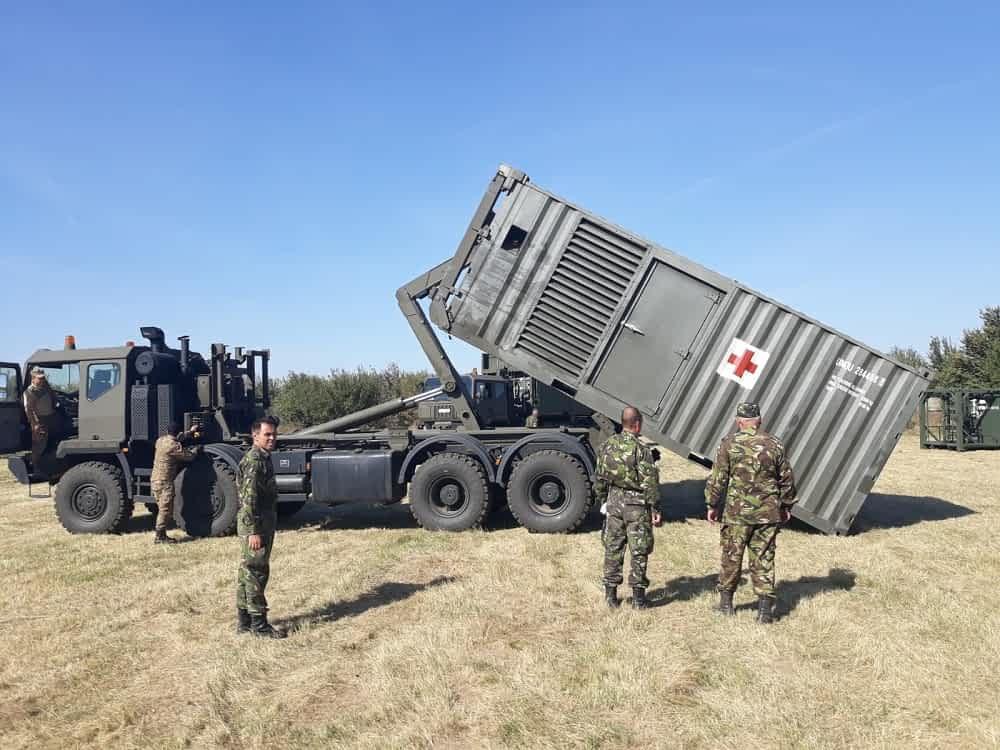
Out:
{"x": 861, "y": 372}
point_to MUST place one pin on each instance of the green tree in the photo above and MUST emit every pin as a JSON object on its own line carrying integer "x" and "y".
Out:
{"x": 908, "y": 356}
{"x": 981, "y": 347}
{"x": 300, "y": 399}
{"x": 975, "y": 362}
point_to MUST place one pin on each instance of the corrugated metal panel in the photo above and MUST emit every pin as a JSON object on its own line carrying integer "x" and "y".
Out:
{"x": 838, "y": 424}
{"x": 555, "y": 306}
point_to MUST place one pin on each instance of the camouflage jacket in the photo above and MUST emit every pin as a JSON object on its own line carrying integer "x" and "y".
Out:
{"x": 168, "y": 456}
{"x": 258, "y": 493}
{"x": 753, "y": 477}
{"x": 626, "y": 463}
{"x": 39, "y": 404}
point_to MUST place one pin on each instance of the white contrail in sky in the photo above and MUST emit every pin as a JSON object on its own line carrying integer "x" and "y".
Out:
{"x": 816, "y": 134}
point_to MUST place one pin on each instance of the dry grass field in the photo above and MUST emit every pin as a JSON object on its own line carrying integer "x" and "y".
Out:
{"x": 403, "y": 638}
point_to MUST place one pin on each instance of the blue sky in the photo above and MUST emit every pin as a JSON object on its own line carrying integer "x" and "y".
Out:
{"x": 268, "y": 176}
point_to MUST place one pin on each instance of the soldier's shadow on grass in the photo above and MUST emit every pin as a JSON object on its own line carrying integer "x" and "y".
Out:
{"x": 380, "y": 596}
{"x": 791, "y": 593}
{"x": 682, "y": 589}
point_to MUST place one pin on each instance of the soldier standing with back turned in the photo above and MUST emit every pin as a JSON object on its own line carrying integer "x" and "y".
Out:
{"x": 752, "y": 476}
{"x": 255, "y": 526}
{"x": 627, "y": 483}
{"x": 168, "y": 458}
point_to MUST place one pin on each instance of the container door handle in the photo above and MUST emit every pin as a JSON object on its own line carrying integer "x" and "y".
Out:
{"x": 634, "y": 328}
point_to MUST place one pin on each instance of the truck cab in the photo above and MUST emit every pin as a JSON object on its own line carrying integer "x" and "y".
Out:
{"x": 491, "y": 396}
{"x": 111, "y": 406}
{"x": 89, "y": 387}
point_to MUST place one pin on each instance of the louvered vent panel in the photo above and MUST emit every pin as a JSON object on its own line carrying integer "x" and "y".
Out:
{"x": 585, "y": 288}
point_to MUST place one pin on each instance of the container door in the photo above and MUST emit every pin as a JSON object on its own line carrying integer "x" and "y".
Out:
{"x": 11, "y": 411}
{"x": 655, "y": 336}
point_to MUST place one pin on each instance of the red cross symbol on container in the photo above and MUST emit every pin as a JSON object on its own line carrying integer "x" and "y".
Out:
{"x": 744, "y": 363}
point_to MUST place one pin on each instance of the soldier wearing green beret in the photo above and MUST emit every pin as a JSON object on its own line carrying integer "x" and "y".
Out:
{"x": 753, "y": 480}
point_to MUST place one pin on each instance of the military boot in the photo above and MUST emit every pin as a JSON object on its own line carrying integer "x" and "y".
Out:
{"x": 639, "y": 600}
{"x": 259, "y": 626}
{"x": 162, "y": 538}
{"x": 611, "y": 597}
{"x": 242, "y": 620}
{"x": 765, "y": 613}
{"x": 726, "y": 603}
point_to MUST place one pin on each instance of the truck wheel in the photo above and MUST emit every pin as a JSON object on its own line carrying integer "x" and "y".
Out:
{"x": 206, "y": 498}
{"x": 549, "y": 492}
{"x": 449, "y": 493}
{"x": 90, "y": 499}
{"x": 289, "y": 509}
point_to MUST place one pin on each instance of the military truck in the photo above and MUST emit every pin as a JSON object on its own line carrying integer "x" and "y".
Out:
{"x": 113, "y": 403}
{"x": 597, "y": 315}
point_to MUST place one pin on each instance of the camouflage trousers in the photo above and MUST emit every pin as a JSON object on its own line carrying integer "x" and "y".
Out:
{"x": 760, "y": 540}
{"x": 163, "y": 493}
{"x": 254, "y": 570}
{"x": 630, "y": 525}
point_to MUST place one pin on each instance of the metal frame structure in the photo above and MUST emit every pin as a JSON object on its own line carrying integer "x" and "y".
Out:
{"x": 969, "y": 419}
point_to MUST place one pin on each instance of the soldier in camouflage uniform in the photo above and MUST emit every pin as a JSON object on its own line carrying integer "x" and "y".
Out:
{"x": 168, "y": 458}
{"x": 532, "y": 421}
{"x": 752, "y": 476}
{"x": 626, "y": 483}
{"x": 40, "y": 409}
{"x": 255, "y": 526}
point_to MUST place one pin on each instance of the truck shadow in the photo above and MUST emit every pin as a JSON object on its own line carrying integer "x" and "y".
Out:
{"x": 354, "y": 516}
{"x": 685, "y": 500}
{"x": 380, "y": 596}
{"x": 682, "y": 500}
{"x": 790, "y": 593}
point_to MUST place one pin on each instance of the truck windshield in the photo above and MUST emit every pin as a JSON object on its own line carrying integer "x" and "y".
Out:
{"x": 64, "y": 378}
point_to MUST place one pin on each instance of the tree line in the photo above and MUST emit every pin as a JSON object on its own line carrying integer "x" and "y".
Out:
{"x": 974, "y": 362}
{"x": 301, "y": 399}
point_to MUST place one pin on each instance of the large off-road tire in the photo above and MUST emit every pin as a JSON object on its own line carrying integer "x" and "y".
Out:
{"x": 449, "y": 492}
{"x": 91, "y": 499}
{"x": 206, "y": 498}
{"x": 289, "y": 509}
{"x": 549, "y": 492}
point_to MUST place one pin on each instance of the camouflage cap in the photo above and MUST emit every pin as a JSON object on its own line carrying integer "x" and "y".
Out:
{"x": 37, "y": 371}
{"x": 748, "y": 410}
